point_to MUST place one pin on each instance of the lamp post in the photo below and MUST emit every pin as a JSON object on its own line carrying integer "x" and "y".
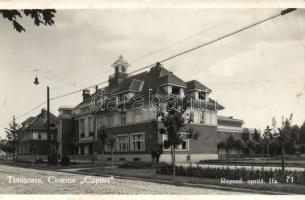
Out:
{"x": 36, "y": 82}
{"x": 48, "y": 126}
{"x": 93, "y": 140}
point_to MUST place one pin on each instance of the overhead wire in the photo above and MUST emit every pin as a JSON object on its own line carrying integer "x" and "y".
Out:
{"x": 283, "y": 12}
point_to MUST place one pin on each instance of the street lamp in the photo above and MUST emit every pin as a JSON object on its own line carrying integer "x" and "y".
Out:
{"x": 36, "y": 82}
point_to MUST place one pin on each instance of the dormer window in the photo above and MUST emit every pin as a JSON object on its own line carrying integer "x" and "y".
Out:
{"x": 175, "y": 90}
{"x": 202, "y": 95}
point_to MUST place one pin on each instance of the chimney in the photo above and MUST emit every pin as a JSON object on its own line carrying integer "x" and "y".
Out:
{"x": 86, "y": 95}
{"x": 44, "y": 113}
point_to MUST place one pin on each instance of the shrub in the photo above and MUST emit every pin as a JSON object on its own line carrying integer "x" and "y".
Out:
{"x": 237, "y": 173}
{"x": 65, "y": 161}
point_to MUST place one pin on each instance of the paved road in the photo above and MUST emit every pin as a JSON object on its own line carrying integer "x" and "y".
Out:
{"x": 9, "y": 174}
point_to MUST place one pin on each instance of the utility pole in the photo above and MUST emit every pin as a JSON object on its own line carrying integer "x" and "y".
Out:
{"x": 283, "y": 162}
{"x": 94, "y": 134}
{"x": 93, "y": 140}
{"x": 282, "y": 149}
{"x": 48, "y": 124}
{"x": 268, "y": 152}
{"x": 15, "y": 137}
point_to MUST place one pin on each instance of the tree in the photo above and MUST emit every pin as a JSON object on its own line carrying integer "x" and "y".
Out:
{"x": 12, "y": 138}
{"x": 102, "y": 136}
{"x": 240, "y": 144}
{"x": 230, "y": 143}
{"x": 267, "y": 137}
{"x": 3, "y": 144}
{"x": 251, "y": 146}
{"x": 39, "y": 16}
{"x": 284, "y": 131}
{"x": 256, "y": 136}
{"x": 302, "y": 137}
{"x": 111, "y": 142}
{"x": 6, "y": 147}
{"x": 294, "y": 143}
{"x": 257, "y": 139}
{"x": 173, "y": 118}
{"x": 245, "y": 135}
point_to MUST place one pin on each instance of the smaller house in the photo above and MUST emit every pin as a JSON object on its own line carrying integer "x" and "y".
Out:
{"x": 32, "y": 136}
{"x": 229, "y": 126}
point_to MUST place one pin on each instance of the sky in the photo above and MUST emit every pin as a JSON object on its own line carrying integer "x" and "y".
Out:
{"x": 256, "y": 74}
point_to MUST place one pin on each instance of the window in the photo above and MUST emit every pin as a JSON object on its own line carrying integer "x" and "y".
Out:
{"x": 183, "y": 146}
{"x": 185, "y": 143}
{"x": 91, "y": 124}
{"x": 137, "y": 141}
{"x": 202, "y": 95}
{"x": 123, "y": 143}
{"x": 35, "y": 135}
{"x": 123, "y": 118}
{"x": 82, "y": 127}
{"x": 175, "y": 90}
{"x": 165, "y": 138}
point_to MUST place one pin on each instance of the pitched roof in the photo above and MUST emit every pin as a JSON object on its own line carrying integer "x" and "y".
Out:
{"x": 229, "y": 118}
{"x": 132, "y": 83}
{"x": 28, "y": 121}
{"x": 39, "y": 122}
{"x": 151, "y": 80}
{"x": 172, "y": 80}
{"x": 196, "y": 85}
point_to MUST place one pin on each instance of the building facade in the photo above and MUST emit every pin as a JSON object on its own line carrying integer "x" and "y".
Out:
{"x": 229, "y": 126}
{"x": 126, "y": 109}
{"x": 32, "y": 136}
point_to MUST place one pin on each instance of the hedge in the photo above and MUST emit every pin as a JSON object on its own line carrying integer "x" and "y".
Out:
{"x": 234, "y": 174}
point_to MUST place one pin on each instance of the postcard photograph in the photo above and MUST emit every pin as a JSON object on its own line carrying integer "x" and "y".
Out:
{"x": 152, "y": 100}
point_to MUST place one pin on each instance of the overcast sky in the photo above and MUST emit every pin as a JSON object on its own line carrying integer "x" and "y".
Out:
{"x": 255, "y": 75}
